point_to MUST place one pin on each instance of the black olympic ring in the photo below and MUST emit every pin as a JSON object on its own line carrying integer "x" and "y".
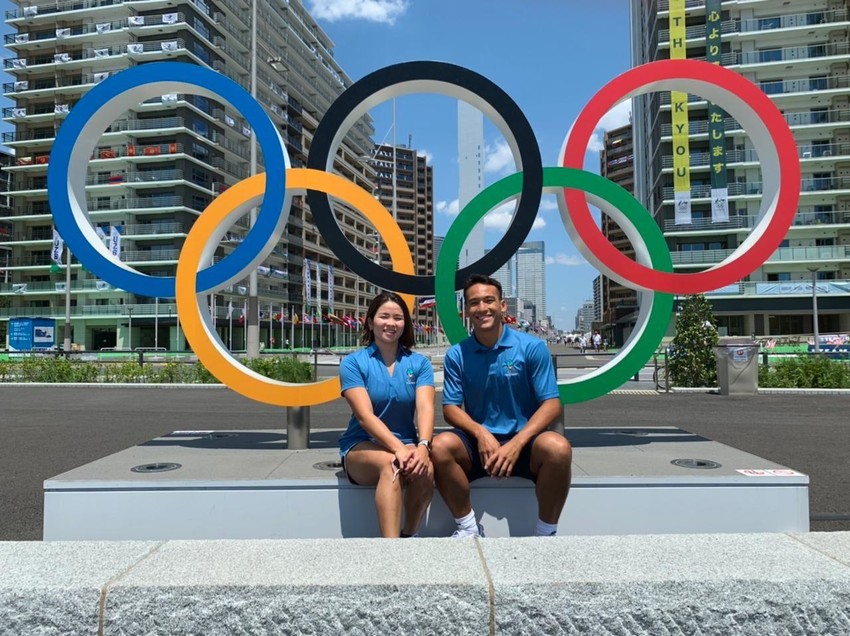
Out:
{"x": 375, "y": 88}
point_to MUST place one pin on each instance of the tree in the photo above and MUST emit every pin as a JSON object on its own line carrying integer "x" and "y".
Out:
{"x": 691, "y": 360}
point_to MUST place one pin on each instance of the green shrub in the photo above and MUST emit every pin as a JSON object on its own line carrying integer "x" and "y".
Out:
{"x": 691, "y": 359}
{"x": 128, "y": 372}
{"x": 806, "y": 372}
{"x": 281, "y": 368}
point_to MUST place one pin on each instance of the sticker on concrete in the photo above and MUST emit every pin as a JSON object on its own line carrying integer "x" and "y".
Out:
{"x": 771, "y": 472}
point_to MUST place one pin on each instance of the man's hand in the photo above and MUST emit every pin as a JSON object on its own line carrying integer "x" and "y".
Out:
{"x": 487, "y": 445}
{"x": 501, "y": 463}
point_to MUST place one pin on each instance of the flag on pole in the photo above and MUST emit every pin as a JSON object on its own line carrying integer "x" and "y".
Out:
{"x": 308, "y": 282}
{"x": 229, "y": 309}
{"x": 330, "y": 289}
{"x": 427, "y": 302}
{"x": 56, "y": 253}
{"x": 318, "y": 289}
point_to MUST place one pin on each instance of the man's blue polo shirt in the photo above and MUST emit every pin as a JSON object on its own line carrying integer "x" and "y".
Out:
{"x": 499, "y": 387}
{"x": 393, "y": 396}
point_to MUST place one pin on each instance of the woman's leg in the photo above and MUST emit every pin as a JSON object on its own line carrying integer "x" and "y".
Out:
{"x": 371, "y": 465}
{"x": 417, "y": 495}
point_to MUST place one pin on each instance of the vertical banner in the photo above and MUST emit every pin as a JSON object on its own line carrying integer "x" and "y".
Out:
{"x": 308, "y": 284}
{"x": 115, "y": 242}
{"x": 716, "y": 131}
{"x": 318, "y": 292}
{"x": 330, "y": 289}
{"x": 679, "y": 105}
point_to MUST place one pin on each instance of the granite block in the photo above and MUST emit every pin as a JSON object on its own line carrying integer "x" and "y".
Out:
{"x": 673, "y": 584}
{"x": 360, "y": 586}
{"x": 55, "y": 588}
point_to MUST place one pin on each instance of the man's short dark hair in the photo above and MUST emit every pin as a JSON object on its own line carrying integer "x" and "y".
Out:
{"x": 481, "y": 279}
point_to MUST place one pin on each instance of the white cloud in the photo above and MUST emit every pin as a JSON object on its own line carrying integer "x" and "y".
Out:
{"x": 382, "y": 11}
{"x": 449, "y": 208}
{"x": 548, "y": 203}
{"x": 498, "y": 159}
{"x": 429, "y": 157}
{"x": 500, "y": 218}
{"x": 565, "y": 260}
{"x": 618, "y": 116}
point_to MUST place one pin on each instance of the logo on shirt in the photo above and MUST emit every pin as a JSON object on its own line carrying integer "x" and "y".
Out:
{"x": 510, "y": 368}
{"x": 411, "y": 377}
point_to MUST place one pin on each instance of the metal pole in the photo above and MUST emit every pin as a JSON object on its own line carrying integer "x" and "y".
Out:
{"x": 252, "y": 320}
{"x": 67, "y": 342}
{"x": 156, "y": 323}
{"x": 297, "y": 427}
{"x": 395, "y": 211}
{"x": 814, "y": 271}
{"x": 130, "y": 328}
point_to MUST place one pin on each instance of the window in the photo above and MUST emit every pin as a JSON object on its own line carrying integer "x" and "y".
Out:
{"x": 779, "y": 276}
{"x": 820, "y": 83}
{"x": 770, "y": 55}
{"x": 773, "y": 87}
{"x": 768, "y": 23}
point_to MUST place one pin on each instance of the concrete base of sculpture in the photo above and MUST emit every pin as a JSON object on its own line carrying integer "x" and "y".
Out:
{"x": 244, "y": 485}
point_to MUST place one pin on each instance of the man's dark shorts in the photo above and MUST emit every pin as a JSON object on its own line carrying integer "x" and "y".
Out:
{"x": 522, "y": 468}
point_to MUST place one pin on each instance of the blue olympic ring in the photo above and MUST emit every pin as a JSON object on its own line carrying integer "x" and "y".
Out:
{"x": 88, "y": 120}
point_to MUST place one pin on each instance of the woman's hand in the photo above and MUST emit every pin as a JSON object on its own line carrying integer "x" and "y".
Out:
{"x": 417, "y": 466}
{"x": 404, "y": 456}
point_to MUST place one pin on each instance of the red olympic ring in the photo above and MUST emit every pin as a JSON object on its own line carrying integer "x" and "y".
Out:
{"x": 661, "y": 76}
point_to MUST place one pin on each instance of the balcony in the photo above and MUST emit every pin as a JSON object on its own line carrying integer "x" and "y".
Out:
{"x": 24, "y": 37}
{"x": 806, "y": 151}
{"x": 746, "y": 222}
{"x": 146, "y": 256}
{"x": 831, "y": 253}
{"x": 785, "y": 87}
{"x": 762, "y": 24}
{"x": 57, "y": 7}
{"x": 752, "y": 188}
{"x": 783, "y": 288}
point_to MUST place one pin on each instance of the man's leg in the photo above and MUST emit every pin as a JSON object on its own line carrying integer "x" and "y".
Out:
{"x": 451, "y": 466}
{"x": 551, "y": 462}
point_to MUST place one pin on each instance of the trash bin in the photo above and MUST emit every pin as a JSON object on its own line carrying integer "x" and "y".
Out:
{"x": 737, "y": 368}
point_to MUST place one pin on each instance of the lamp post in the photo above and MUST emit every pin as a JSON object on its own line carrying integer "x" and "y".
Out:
{"x": 67, "y": 341}
{"x": 130, "y": 327}
{"x": 156, "y": 323}
{"x": 814, "y": 271}
{"x": 252, "y": 320}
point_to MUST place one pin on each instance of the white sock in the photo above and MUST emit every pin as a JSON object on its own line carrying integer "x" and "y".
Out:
{"x": 543, "y": 529}
{"x": 467, "y": 522}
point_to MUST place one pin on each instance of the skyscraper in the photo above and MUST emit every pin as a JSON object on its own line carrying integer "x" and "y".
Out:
{"x": 160, "y": 164}
{"x": 706, "y": 196}
{"x": 531, "y": 276}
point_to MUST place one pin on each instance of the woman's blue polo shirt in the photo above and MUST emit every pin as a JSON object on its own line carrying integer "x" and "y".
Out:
{"x": 393, "y": 396}
{"x": 499, "y": 387}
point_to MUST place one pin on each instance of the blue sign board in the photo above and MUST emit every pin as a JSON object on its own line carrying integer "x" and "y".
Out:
{"x": 31, "y": 333}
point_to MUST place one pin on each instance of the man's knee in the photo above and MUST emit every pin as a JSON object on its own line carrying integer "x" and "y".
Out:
{"x": 553, "y": 448}
{"x": 444, "y": 448}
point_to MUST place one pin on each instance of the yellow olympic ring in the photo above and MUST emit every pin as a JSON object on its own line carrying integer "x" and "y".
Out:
{"x": 191, "y": 307}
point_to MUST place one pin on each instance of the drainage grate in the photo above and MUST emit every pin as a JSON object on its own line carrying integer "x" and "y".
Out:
{"x": 331, "y": 465}
{"x": 695, "y": 463}
{"x": 161, "y": 467}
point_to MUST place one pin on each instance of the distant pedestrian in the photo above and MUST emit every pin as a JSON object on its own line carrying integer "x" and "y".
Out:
{"x": 582, "y": 343}
{"x": 597, "y": 341}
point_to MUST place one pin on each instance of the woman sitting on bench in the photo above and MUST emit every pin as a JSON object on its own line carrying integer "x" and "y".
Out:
{"x": 388, "y": 442}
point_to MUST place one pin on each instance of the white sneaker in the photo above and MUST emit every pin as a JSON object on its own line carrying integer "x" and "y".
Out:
{"x": 462, "y": 533}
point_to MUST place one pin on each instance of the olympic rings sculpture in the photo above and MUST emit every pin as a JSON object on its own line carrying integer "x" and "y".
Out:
{"x": 573, "y": 187}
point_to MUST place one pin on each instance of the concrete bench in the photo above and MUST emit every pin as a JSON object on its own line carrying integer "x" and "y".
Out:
{"x": 242, "y": 485}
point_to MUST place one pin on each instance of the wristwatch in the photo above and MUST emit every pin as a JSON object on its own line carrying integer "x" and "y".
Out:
{"x": 426, "y": 443}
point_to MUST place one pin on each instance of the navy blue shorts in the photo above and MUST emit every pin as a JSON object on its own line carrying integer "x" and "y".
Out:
{"x": 522, "y": 468}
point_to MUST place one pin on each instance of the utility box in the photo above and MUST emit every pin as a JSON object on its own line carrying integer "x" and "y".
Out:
{"x": 737, "y": 368}
{"x": 26, "y": 334}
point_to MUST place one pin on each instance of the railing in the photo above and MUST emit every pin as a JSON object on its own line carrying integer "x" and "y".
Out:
{"x": 831, "y": 217}
{"x": 786, "y": 87}
{"x": 751, "y": 188}
{"x": 141, "y": 256}
{"x": 39, "y": 36}
{"x": 766, "y": 23}
{"x": 807, "y": 151}
{"x": 60, "y": 7}
{"x": 783, "y": 254}
{"x": 784, "y": 288}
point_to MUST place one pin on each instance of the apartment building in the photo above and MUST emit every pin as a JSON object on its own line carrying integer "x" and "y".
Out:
{"x": 619, "y": 303}
{"x": 158, "y": 166}
{"x": 797, "y": 53}
{"x": 405, "y": 186}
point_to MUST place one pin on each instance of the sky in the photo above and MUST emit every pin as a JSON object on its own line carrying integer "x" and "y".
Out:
{"x": 550, "y": 56}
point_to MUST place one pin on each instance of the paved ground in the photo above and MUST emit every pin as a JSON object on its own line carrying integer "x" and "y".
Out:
{"x": 46, "y": 431}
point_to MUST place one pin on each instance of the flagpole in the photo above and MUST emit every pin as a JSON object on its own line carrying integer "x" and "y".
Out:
{"x": 156, "y": 322}
{"x": 271, "y": 329}
{"x": 230, "y": 328}
{"x": 67, "y": 342}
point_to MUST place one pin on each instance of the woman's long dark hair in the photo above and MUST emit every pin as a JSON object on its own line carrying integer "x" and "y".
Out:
{"x": 407, "y": 339}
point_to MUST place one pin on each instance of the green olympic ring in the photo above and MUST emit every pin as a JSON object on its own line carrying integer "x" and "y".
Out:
{"x": 649, "y": 331}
